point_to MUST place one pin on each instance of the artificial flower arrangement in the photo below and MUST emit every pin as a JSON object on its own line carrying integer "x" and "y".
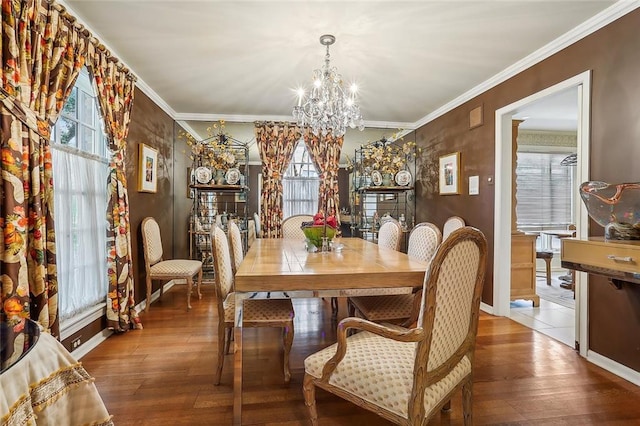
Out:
{"x": 215, "y": 150}
{"x": 387, "y": 157}
{"x": 319, "y": 228}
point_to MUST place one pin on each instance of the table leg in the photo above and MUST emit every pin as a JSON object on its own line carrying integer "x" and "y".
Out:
{"x": 237, "y": 359}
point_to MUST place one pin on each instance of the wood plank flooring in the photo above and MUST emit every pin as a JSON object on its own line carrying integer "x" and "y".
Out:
{"x": 163, "y": 375}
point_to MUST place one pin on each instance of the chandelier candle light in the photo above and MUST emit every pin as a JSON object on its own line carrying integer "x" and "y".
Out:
{"x": 328, "y": 108}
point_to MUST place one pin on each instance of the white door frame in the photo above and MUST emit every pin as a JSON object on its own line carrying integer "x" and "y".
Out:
{"x": 503, "y": 198}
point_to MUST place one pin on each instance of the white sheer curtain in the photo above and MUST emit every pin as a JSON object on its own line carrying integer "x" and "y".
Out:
{"x": 80, "y": 224}
{"x": 300, "y": 196}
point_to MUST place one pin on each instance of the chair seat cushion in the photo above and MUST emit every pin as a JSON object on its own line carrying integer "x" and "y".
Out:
{"x": 376, "y": 291}
{"x": 380, "y": 371}
{"x": 175, "y": 268}
{"x": 259, "y": 310}
{"x": 384, "y": 308}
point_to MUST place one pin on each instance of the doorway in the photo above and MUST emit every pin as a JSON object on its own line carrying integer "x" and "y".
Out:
{"x": 503, "y": 191}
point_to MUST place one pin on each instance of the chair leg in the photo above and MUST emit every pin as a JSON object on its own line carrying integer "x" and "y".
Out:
{"x": 548, "y": 262}
{"x": 351, "y": 308}
{"x": 189, "y": 285}
{"x": 148, "y": 294}
{"x": 288, "y": 342}
{"x": 199, "y": 283}
{"x": 334, "y": 307}
{"x": 309, "y": 391}
{"x": 221, "y": 346}
{"x": 227, "y": 340}
{"x": 467, "y": 400}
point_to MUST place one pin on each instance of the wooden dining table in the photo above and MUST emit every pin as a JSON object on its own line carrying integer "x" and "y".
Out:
{"x": 284, "y": 267}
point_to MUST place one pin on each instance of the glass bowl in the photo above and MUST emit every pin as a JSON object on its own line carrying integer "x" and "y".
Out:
{"x": 314, "y": 233}
{"x": 616, "y": 207}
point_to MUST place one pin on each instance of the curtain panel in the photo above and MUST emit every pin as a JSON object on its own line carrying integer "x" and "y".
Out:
{"x": 325, "y": 154}
{"x": 42, "y": 54}
{"x": 276, "y": 143}
{"x": 115, "y": 88}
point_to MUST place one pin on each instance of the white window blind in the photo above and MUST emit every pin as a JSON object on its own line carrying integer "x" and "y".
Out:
{"x": 301, "y": 184}
{"x": 544, "y": 191}
{"x": 80, "y": 170}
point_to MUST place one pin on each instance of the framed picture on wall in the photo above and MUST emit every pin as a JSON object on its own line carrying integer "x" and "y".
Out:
{"x": 449, "y": 174}
{"x": 147, "y": 168}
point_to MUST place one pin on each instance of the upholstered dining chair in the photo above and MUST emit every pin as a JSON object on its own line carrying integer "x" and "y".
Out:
{"x": 406, "y": 375}
{"x": 256, "y": 312}
{"x": 235, "y": 243}
{"x": 291, "y": 226}
{"x": 389, "y": 237}
{"x": 450, "y": 225}
{"x": 256, "y": 219}
{"x": 423, "y": 242}
{"x": 158, "y": 269}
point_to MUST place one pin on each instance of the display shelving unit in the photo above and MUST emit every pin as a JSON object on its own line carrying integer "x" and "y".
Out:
{"x": 216, "y": 200}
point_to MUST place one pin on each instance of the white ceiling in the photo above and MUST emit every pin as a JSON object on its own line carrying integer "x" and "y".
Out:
{"x": 242, "y": 60}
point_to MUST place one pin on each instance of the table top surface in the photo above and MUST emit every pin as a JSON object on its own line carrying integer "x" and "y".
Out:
{"x": 560, "y": 232}
{"x": 284, "y": 264}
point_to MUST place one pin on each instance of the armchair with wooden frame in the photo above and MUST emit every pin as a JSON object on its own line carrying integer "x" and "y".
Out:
{"x": 406, "y": 375}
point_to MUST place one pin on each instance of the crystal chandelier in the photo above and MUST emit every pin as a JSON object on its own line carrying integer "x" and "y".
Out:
{"x": 328, "y": 108}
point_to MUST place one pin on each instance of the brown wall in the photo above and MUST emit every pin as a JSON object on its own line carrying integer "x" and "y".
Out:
{"x": 613, "y": 56}
{"x": 152, "y": 126}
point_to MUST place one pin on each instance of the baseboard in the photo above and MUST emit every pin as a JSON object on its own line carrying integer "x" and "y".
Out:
{"x": 618, "y": 369}
{"x": 91, "y": 344}
{"x": 140, "y": 307}
{"x": 486, "y": 308}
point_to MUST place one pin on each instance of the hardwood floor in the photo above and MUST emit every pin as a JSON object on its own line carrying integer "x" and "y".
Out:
{"x": 163, "y": 375}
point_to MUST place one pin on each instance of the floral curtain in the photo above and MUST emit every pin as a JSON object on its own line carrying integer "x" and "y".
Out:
{"x": 42, "y": 54}
{"x": 325, "y": 154}
{"x": 115, "y": 87}
{"x": 276, "y": 143}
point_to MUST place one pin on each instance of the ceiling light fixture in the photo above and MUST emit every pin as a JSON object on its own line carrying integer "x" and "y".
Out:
{"x": 328, "y": 108}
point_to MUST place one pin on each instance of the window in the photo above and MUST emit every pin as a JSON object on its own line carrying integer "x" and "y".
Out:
{"x": 544, "y": 192}
{"x": 80, "y": 170}
{"x": 301, "y": 184}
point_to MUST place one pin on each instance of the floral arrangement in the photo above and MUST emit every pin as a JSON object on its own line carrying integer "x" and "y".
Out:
{"x": 319, "y": 228}
{"x": 214, "y": 151}
{"x": 388, "y": 157}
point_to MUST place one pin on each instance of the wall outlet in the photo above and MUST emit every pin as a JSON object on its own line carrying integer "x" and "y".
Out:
{"x": 75, "y": 343}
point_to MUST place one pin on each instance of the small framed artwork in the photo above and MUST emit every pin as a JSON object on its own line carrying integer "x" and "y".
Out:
{"x": 147, "y": 168}
{"x": 449, "y": 174}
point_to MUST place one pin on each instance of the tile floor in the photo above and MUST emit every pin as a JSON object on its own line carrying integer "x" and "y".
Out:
{"x": 549, "y": 318}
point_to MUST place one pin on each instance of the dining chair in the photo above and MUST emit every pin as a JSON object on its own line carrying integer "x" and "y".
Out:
{"x": 450, "y": 225}
{"x": 158, "y": 269}
{"x": 235, "y": 243}
{"x": 256, "y": 219}
{"x": 389, "y": 237}
{"x": 406, "y": 375}
{"x": 423, "y": 242}
{"x": 255, "y": 313}
{"x": 291, "y": 226}
{"x": 251, "y": 232}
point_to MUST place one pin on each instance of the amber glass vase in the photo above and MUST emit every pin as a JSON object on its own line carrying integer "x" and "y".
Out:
{"x": 614, "y": 206}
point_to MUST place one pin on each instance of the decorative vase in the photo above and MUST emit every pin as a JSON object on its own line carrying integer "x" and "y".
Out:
{"x": 614, "y": 206}
{"x": 220, "y": 177}
{"x": 387, "y": 179}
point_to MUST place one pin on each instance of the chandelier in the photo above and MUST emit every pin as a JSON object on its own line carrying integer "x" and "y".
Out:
{"x": 328, "y": 108}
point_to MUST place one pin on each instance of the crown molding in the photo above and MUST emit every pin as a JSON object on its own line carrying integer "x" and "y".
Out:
{"x": 613, "y": 12}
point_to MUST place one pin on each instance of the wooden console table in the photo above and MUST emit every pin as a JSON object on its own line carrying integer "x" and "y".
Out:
{"x": 616, "y": 259}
